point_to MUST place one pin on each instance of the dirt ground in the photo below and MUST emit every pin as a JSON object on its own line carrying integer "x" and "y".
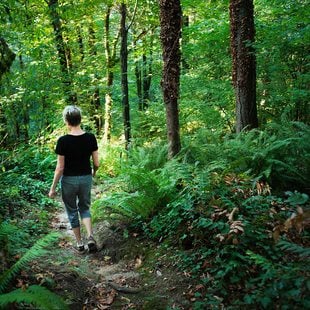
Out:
{"x": 125, "y": 273}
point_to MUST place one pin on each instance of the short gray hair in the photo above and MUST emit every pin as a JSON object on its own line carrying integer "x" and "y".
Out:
{"x": 72, "y": 114}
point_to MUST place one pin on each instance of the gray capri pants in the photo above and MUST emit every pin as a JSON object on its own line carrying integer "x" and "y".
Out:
{"x": 76, "y": 193}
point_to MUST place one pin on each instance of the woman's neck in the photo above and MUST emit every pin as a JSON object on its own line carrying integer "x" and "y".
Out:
{"x": 75, "y": 130}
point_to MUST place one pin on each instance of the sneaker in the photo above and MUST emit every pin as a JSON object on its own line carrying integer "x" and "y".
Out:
{"x": 91, "y": 243}
{"x": 80, "y": 248}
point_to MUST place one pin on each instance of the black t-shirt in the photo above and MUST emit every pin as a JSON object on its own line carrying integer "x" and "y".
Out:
{"x": 77, "y": 151}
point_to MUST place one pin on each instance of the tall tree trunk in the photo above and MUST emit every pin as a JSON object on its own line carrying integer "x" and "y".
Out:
{"x": 7, "y": 57}
{"x": 124, "y": 80}
{"x": 80, "y": 41}
{"x": 147, "y": 76}
{"x": 109, "y": 78}
{"x": 138, "y": 74}
{"x": 92, "y": 40}
{"x": 185, "y": 24}
{"x": 170, "y": 33}
{"x": 110, "y": 54}
{"x": 242, "y": 36}
{"x": 143, "y": 73}
{"x": 108, "y": 107}
{"x": 95, "y": 99}
{"x": 63, "y": 50}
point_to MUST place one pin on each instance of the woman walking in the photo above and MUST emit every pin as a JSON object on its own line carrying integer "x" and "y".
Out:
{"x": 75, "y": 173}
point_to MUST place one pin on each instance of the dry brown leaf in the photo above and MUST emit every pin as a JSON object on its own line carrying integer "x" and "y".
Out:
{"x": 239, "y": 228}
{"x": 235, "y": 241}
{"x": 199, "y": 287}
{"x": 111, "y": 297}
{"x": 288, "y": 224}
{"x": 138, "y": 261}
{"x": 231, "y": 215}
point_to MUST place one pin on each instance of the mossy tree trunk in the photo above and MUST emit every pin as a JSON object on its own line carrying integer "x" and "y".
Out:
{"x": 170, "y": 33}
{"x": 124, "y": 78}
{"x": 242, "y": 36}
{"x": 110, "y": 54}
{"x": 64, "y": 53}
{"x": 95, "y": 99}
{"x": 7, "y": 57}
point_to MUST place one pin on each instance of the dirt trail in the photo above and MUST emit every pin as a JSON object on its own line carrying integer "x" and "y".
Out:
{"x": 126, "y": 272}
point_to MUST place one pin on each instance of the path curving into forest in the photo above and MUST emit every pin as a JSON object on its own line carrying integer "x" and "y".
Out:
{"x": 125, "y": 273}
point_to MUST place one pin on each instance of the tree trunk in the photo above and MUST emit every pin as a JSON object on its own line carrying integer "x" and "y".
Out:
{"x": 64, "y": 53}
{"x": 185, "y": 24}
{"x": 124, "y": 80}
{"x": 170, "y": 33}
{"x": 138, "y": 75}
{"x": 109, "y": 77}
{"x": 6, "y": 57}
{"x": 242, "y": 37}
{"x": 81, "y": 44}
{"x": 95, "y": 99}
{"x": 147, "y": 78}
{"x": 110, "y": 53}
{"x": 108, "y": 108}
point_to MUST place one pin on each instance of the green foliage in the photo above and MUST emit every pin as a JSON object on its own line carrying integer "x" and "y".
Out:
{"x": 35, "y": 295}
{"x": 282, "y": 37}
{"x": 139, "y": 190}
{"x": 38, "y": 249}
{"x": 296, "y": 198}
{"x": 290, "y": 247}
{"x": 25, "y": 170}
{"x": 282, "y": 279}
{"x": 279, "y": 154}
{"x": 226, "y": 225}
{"x": 215, "y": 203}
{"x": 111, "y": 158}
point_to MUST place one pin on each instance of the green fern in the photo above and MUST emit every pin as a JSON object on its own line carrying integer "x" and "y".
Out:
{"x": 261, "y": 261}
{"x": 35, "y": 295}
{"x": 138, "y": 188}
{"x": 294, "y": 248}
{"x": 6, "y": 230}
{"x": 36, "y": 250}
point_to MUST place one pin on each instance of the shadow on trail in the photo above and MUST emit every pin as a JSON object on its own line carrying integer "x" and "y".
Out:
{"x": 125, "y": 272}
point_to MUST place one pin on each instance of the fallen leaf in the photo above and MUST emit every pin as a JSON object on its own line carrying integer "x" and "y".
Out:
{"x": 111, "y": 297}
{"x": 138, "y": 261}
{"x": 199, "y": 287}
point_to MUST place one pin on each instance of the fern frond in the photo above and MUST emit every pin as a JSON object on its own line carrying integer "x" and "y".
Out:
{"x": 35, "y": 251}
{"x": 35, "y": 295}
{"x": 294, "y": 248}
{"x": 6, "y": 229}
{"x": 259, "y": 260}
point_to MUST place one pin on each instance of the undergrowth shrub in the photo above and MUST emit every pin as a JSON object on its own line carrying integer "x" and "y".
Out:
{"x": 35, "y": 295}
{"x": 139, "y": 189}
{"x": 278, "y": 154}
{"x": 26, "y": 172}
{"x": 224, "y": 202}
{"x": 226, "y": 229}
{"x": 111, "y": 158}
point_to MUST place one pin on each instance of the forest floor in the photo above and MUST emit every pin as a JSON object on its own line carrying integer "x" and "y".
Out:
{"x": 126, "y": 272}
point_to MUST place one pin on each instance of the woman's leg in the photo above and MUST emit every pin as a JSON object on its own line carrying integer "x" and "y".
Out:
{"x": 69, "y": 190}
{"x": 84, "y": 201}
{"x": 84, "y": 197}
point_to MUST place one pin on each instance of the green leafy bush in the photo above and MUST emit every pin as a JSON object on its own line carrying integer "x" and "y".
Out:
{"x": 224, "y": 203}
{"x": 33, "y": 295}
{"x": 279, "y": 154}
{"x": 23, "y": 179}
{"x": 140, "y": 188}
